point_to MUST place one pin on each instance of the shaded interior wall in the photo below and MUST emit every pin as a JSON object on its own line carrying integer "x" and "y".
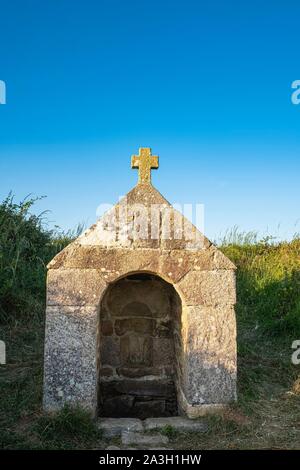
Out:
{"x": 140, "y": 348}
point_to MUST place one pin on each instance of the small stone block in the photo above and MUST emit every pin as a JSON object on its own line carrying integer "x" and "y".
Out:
{"x": 115, "y": 407}
{"x": 112, "y": 427}
{"x": 136, "y": 438}
{"x": 136, "y": 351}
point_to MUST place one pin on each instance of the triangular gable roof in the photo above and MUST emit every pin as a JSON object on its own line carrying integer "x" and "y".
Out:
{"x": 169, "y": 233}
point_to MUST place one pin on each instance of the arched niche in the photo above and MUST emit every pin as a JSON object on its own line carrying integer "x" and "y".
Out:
{"x": 140, "y": 347}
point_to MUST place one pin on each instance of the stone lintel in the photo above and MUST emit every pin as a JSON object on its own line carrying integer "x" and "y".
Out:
{"x": 110, "y": 264}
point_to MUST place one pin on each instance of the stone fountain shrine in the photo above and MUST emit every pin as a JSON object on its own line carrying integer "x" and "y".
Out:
{"x": 140, "y": 317}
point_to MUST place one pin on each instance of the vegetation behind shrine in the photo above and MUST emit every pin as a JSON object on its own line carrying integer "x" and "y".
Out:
{"x": 267, "y": 414}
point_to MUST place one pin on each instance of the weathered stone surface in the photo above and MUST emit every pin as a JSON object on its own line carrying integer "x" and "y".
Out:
{"x": 169, "y": 229}
{"x": 163, "y": 351}
{"x": 106, "y": 372}
{"x": 193, "y": 411}
{"x": 74, "y": 287}
{"x": 113, "y": 263}
{"x": 144, "y": 194}
{"x": 120, "y": 406}
{"x": 136, "y": 438}
{"x": 136, "y": 372}
{"x": 130, "y": 406}
{"x": 70, "y": 372}
{"x": 208, "y": 288}
{"x": 164, "y": 328}
{"x": 110, "y": 351}
{"x": 134, "y": 325}
{"x": 177, "y": 262}
{"x": 178, "y": 233}
{"x": 220, "y": 260}
{"x": 210, "y": 361}
{"x": 105, "y": 232}
{"x": 138, "y": 387}
{"x": 112, "y": 427}
{"x": 115, "y": 228}
{"x": 106, "y": 327}
{"x": 169, "y": 370}
{"x": 179, "y": 423}
{"x": 136, "y": 351}
{"x": 137, "y": 298}
{"x": 143, "y": 409}
{"x": 135, "y": 309}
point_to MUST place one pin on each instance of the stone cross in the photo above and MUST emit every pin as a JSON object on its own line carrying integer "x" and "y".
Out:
{"x": 144, "y": 161}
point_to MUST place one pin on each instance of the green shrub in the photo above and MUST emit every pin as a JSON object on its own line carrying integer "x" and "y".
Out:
{"x": 26, "y": 247}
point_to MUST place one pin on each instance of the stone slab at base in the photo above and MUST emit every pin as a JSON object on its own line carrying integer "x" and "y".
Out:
{"x": 197, "y": 411}
{"x": 179, "y": 423}
{"x": 112, "y": 427}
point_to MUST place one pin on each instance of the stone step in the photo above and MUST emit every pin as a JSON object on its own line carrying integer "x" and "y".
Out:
{"x": 112, "y": 427}
{"x": 179, "y": 423}
{"x": 143, "y": 440}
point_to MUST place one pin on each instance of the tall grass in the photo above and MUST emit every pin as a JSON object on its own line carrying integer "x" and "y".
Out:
{"x": 268, "y": 281}
{"x": 26, "y": 246}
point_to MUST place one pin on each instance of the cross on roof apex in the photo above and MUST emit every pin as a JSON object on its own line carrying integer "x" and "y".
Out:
{"x": 144, "y": 162}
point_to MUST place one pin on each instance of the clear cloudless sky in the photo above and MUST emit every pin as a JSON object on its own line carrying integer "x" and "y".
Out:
{"x": 205, "y": 84}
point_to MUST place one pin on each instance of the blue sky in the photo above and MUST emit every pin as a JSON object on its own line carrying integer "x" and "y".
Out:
{"x": 206, "y": 85}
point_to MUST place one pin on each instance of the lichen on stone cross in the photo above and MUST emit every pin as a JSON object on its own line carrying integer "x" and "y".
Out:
{"x": 144, "y": 162}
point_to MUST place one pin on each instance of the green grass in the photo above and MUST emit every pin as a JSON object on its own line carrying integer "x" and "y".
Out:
{"x": 267, "y": 414}
{"x": 71, "y": 427}
{"x": 169, "y": 431}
